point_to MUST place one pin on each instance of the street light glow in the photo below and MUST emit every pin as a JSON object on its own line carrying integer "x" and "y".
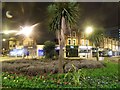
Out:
{"x": 9, "y": 31}
{"x": 27, "y": 30}
{"x": 3, "y": 39}
{"x": 6, "y": 32}
{"x": 89, "y": 30}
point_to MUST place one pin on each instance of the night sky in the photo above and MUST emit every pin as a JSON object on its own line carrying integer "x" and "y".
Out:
{"x": 97, "y": 14}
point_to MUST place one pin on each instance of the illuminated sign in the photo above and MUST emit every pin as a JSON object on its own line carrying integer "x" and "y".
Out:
{"x": 40, "y": 52}
{"x": 71, "y": 46}
{"x": 18, "y": 52}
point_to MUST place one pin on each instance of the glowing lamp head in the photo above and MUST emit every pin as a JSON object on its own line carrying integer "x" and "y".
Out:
{"x": 27, "y": 30}
{"x": 4, "y": 40}
{"x": 89, "y": 30}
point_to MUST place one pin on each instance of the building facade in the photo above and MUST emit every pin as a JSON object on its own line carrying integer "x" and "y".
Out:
{"x": 85, "y": 47}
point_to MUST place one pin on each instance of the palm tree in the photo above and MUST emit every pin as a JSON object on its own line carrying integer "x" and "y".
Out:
{"x": 62, "y": 18}
{"x": 96, "y": 38}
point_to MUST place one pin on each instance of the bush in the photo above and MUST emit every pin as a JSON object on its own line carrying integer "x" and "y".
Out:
{"x": 49, "y": 49}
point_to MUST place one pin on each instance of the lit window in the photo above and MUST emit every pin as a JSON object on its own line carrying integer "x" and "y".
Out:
{"x": 74, "y": 34}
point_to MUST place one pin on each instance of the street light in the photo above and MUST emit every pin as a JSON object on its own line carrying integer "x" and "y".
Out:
{"x": 3, "y": 39}
{"x": 27, "y": 30}
{"x": 88, "y": 31}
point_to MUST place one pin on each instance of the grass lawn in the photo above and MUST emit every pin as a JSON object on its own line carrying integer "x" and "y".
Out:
{"x": 106, "y": 77}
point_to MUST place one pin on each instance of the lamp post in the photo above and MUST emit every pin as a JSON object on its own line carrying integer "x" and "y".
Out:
{"x": 88, "y": 31}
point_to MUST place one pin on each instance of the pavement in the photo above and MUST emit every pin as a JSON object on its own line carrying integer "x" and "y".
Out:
{"x": 6, "y": 58}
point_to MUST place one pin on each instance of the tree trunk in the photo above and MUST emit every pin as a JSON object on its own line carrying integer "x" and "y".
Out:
{"x": 61, "y": 57}
{"x": 97, "y": 56}
{"x": 61, "y": 38}
{"x": 60, "y": 63}
{"x": 78, "y": 38}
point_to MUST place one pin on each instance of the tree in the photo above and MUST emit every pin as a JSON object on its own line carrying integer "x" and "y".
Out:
{"x": 62, "y": 17}
{"x": 49, "y": 49}
{"x": 96, "y": 38}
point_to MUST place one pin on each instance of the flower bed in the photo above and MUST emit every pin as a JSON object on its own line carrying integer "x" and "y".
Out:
{"x": 35, "y": 67}
{"x": 106, "y": 77}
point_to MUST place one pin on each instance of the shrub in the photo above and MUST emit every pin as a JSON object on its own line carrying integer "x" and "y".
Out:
{"x": 76, "y": 76}
{"x": 49, "y": 49}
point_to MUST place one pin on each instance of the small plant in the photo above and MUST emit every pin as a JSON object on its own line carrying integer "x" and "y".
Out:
{"x": 76, "y": 76}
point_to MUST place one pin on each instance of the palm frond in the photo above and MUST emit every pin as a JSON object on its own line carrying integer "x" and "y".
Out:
{"x": 97, "y": 37}
{"x": 69, "y": 11}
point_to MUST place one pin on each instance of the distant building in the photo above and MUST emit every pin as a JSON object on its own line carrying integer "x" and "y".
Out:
{"x": 19, "y": 43}
{"x": 114, "y": 33}
{"x": 74, "y": 39}
{"x": 110, "y": 43}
